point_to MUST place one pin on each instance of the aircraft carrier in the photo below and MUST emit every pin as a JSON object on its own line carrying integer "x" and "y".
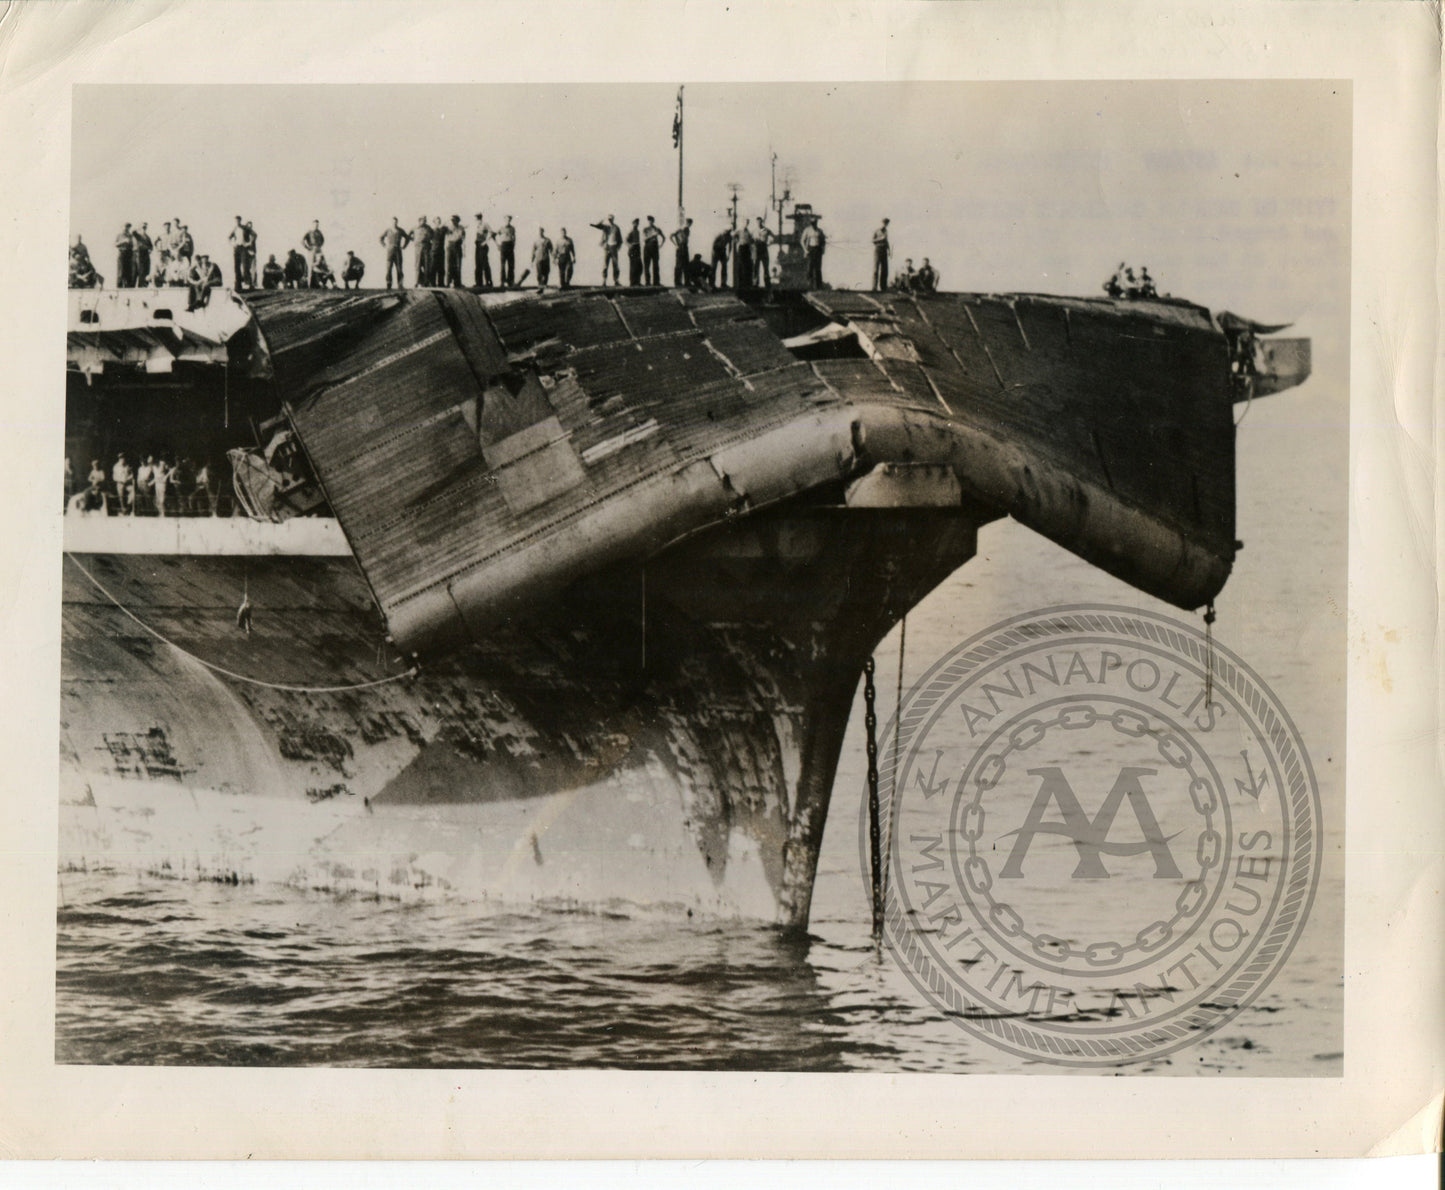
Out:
{"x": 563, "y": 597}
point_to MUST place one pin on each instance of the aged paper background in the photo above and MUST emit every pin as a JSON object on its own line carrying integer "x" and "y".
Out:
{"x": 1388, "y": 1100}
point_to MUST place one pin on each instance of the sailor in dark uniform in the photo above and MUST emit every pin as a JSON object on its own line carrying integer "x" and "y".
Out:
{"x": 312, "y": 241}
{"x": 507, "y": 253}
{"x": 204, "y": 276}
{"x": 680, "y": 260}
{"x": 566, "y": 253}
{"x": 125, "y": 259}
{"x": 143, "y": 246}
{"x": 652, "y": 237}
{"x": 82, "y": 272}
{"x": 272, "y": 274}
{"x": 722, "y": 246}
{"x": 238, "y": 254}
{"x": 352, "y": 271}
{"x": 421, "y": 258}
{"x": 542, "y": 258}
{"x": 634, "y": 254}
{"x": 438, "y": 252}
{"x": 927, "y": 279}
{"x": 252, "y": 242}
{"x": 482, "y": 253}
{"x": 296, "y": 270}
{"x": 743, "y": 259}
{"x": 456, "y": 240}
{"x": 699, "y": 273}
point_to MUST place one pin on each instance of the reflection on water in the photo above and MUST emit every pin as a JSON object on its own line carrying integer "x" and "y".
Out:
{"x": 160, "y": 972}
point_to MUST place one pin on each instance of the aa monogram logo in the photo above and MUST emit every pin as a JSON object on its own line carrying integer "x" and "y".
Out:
{"x": 1091, "y": 836}
{"x": 1103, "y": 835}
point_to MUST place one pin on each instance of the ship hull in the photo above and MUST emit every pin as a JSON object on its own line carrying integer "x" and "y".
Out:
{"x": 656, "y": 739}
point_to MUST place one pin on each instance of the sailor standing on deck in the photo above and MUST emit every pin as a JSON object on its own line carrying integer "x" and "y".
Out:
{"x": 124, "y": 479}
{"x": 249, "y": 239}
{"x": 143, "y": 245}
{"x": 634, "y": 254}
{"x": 456, "y": 245}
{"x": 566, "y": 254}
{"x": 438, "y": 252}
{"x": 722, "y": 245}
{"x": 542, "y": 258}
{"x": 611, "y": 246}
{"x": 163, "y": 473}
{"x": 312, "y": 241}
{"x": 144, "y": 499}
{"x": 762, "y": 237}
{"x": 421, "y": 236}
{"x": 238, "y": 254}
{"x": 507, "y": 253}
{"x": 482, "y": 251}
{"x": 814, "y": 241}
{"x": 652, "y": 237}
{"x": 880, "y": 258}
{"x": 165, "y": 249}
{"x": 393, "y": 240}
{"x": 125, "y": 259}
{"x": 680, "y": 257}
{"x": 743, "y": 260}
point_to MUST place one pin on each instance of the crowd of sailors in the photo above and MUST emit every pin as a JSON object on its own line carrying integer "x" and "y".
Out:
{"x": 438, "y": 258}
{"x": 1124, "y": 284}
{"x": 154, "y": 485}
{"x": 438, "y": 251}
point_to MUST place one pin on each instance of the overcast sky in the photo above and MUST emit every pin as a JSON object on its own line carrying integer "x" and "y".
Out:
{"x": 1235, "y": 194}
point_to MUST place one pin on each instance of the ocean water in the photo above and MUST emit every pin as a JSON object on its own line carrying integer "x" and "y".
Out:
{"x": 153, "y": 971}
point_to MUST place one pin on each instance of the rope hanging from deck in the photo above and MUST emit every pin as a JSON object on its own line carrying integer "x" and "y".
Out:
{"x": 410, "y": 673}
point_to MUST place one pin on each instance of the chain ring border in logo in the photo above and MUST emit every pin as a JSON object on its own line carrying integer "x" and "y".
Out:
{"x": 1301, "y": 805}
{"x": 1039, "y": 958}
{"x": 1034, "y": 639}
{"x": 1182, "y": 1009}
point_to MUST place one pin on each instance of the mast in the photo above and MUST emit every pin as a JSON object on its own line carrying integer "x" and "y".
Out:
{"x": 677, "y": 140}
{"x": 773, "y": 200}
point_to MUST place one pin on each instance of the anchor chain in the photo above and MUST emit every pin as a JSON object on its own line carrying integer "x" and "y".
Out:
{"x": 1208, "y": 653}
{"x": 875, "y": 840}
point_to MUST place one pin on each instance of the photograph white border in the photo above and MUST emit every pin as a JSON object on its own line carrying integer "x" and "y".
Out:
{"x": 1389, "y": 1100}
